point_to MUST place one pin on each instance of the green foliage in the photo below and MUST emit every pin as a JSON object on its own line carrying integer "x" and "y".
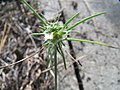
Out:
{"x": 54, "y": 35}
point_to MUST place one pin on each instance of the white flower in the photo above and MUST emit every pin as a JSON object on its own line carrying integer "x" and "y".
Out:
{"x": 48, "y": 36}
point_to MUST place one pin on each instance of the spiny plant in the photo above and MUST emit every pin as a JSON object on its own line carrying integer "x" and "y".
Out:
{"x": 55, "y": 35}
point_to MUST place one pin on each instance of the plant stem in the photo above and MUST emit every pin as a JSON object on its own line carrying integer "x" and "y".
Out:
{"x": 55, "y": 64}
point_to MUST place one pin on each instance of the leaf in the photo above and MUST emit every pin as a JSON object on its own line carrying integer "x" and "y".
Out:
{"x": 85, "y": 19}
{"x": 42, "y": 28}
{"x": 36, "y": 14}
{"x": 66, "y": 24}
{"x": 88, "y": 41}
{"x": 49, "y": 55}
{"x": 62, "y": 54}
{"x": 92, "y": 42}
{"x": 37, "y": 34}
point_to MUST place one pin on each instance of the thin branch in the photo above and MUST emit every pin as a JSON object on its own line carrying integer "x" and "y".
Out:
{"x": 4, "y": 66}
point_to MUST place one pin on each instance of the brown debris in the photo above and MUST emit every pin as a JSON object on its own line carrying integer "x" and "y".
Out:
{"x": 21, "y": 58}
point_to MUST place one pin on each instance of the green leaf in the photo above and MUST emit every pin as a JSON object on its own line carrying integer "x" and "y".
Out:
{"x": 62, "y": 43}
{"x": 92, "y": 42}
{"x": 85, "y": 19}
{"x": 49, "y": 55}
{"x": 36, "y": 14}
{"x": 37, "y": 34}
{"x": 66, "y": 24}
{"x": 42, "y": 28}
{"x": 88, "y": 41}
{"x": 62, "y": 54}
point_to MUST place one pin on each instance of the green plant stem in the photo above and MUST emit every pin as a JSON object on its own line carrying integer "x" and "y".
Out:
{"x": 55, "y": 64}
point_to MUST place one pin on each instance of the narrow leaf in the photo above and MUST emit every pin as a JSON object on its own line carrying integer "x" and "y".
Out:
{"x": 88, "y": 41}
{"x": 37, "y": 34}
{"x": 42, "y": 28}
{"x": 36, "y": 14}
{"x": 85, "y": 19}
{"x": 63, "y": 56}
{"x": 49, "y": 55}
{"x": 92, "y": 42}
{"x": 66, "y": 24}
